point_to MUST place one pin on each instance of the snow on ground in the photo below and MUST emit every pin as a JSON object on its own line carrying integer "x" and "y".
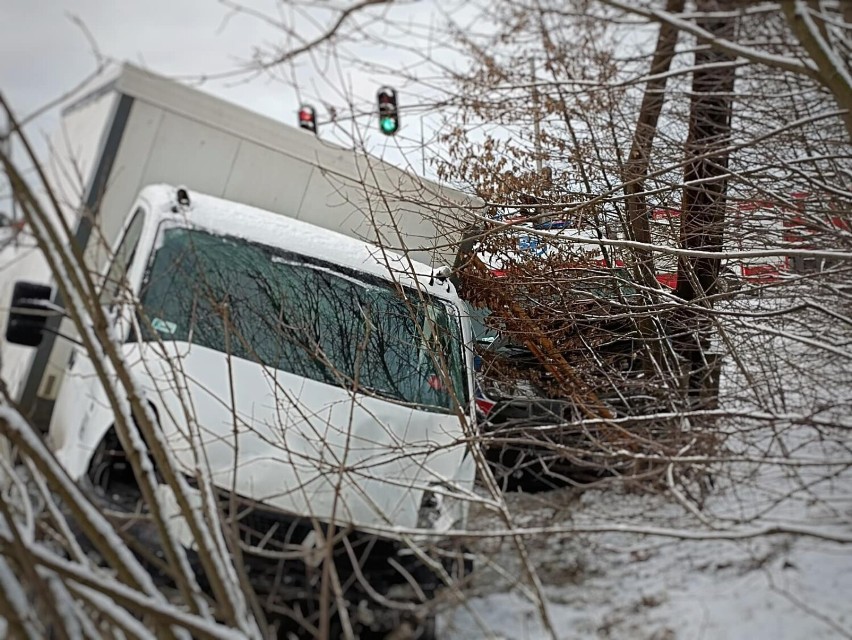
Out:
{"x": 616, "y": 585}
{"x": 626, "y": 585}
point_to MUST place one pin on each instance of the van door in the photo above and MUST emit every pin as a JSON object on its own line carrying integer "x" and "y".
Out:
{"x": 77, "y": 400}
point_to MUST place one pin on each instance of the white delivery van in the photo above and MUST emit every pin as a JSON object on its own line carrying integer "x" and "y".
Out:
{"x": 135, "y": 128}
{"x": 326, "y": 380}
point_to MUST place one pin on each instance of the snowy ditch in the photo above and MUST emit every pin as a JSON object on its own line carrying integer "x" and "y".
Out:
{"x": 723, "y": 566}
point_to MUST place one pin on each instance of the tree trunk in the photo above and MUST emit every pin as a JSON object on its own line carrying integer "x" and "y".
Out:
{"x": 835, "y": 72}
{"x": 643, "y": 140}
{"x": 704, "y": 195}
{"x": 706, "y": 166}
{"x": 637, "y": 169}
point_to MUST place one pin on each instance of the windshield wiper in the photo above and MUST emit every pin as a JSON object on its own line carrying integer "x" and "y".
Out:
{"x": 375, "y": 391}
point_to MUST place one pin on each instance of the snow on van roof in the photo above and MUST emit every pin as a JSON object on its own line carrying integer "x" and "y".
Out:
{"x": 237, "y": 220}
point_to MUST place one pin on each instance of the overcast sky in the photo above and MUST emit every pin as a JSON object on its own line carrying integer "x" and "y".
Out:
{"x": 44, "y": 54}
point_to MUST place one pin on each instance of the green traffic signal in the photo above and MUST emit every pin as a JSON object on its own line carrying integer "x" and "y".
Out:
{"x": 388, "y": 124}
{"x": 388, "y": 113}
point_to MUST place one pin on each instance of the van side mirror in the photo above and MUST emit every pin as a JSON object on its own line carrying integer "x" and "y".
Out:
{"x": 30, "y": 308}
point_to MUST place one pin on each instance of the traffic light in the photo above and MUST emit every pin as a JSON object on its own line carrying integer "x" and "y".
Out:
{"x": 308, "y": 118}
{"x": 388, "y": 114}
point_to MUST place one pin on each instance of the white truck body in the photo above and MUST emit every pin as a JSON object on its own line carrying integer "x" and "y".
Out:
{"x": 138, "y": 129}
{"x": 363, "y": 449}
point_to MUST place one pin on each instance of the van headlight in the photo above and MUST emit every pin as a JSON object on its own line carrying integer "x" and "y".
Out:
{"x": 440, "y": 509}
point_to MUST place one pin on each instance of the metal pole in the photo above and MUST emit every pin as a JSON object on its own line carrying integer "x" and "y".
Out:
{"x": 422, "y": 149}
{"x": 536, "y": 126}
{"x": 7, "y": 149}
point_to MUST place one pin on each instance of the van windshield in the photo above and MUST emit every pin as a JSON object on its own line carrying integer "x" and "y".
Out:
{"x": 304, "y": 316}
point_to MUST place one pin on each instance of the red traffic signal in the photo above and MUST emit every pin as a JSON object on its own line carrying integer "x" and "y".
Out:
{"x": 308, "y": 118}
{"x": 388, "y": 111}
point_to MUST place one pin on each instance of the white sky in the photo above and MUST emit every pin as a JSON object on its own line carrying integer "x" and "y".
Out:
{"x": 43, "y": 54}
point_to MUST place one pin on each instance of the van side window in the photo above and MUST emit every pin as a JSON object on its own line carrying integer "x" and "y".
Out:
{"x": 115, "y": 277}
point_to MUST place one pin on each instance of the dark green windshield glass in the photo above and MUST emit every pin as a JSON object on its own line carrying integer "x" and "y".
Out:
{"x": 305, "y": 317}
